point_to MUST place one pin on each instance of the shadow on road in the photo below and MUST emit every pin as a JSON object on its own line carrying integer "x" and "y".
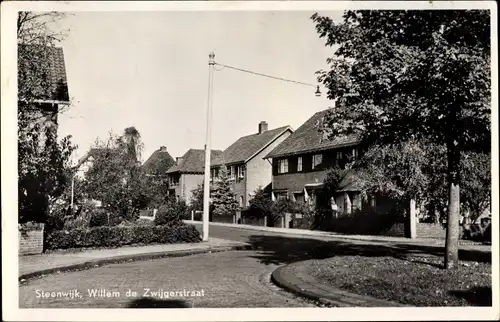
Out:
{"x": 149, "y": 303}
{"x": 284, "y": 250}
{"x": 477, "y": 296}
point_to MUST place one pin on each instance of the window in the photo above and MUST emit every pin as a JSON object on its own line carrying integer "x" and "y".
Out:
{"x": 241, "y": 171}
{"x": 282, "y": 196}
{"x": 355, "y": 154}
{"x": 283, "y": 166}
{"x": 231, "y": 172}
{"x": 241, "y": 201}
{"x": 317, "y": 160}
{"x": 299, "y": 164}
{"x": 339, "y": 155}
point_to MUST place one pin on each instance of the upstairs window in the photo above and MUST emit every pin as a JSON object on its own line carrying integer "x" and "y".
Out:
{"x": 241, "y": 171}
{"x": 283, "y": 166}
{"x": 317, "y": 160}
{"x": 232, "y": 172}
{"x": 299, "y": 164}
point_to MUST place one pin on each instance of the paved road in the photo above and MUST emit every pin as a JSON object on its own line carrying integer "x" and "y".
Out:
{"x": 229, "y": 279}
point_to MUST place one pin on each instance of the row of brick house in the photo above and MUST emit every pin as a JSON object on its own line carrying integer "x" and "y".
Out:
{"x": 291, "y": 164}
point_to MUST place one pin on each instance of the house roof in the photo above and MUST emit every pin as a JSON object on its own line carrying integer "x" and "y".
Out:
{"x": 159, "y": 162}
{"x": 247, "y": 146}
{"x": 307, "y": 138}
{"x": 58, "y": 87}
{"x": 193, "y": 161}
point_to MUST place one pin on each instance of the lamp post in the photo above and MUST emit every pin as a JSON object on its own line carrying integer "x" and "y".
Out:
{"x": 206, "y": 186}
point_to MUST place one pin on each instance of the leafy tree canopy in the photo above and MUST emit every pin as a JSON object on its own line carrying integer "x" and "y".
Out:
{"x": 400, "y": 75}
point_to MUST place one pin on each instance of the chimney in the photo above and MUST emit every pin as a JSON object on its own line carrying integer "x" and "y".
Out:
{"x": 262, "y": 127}
{"x": 178, "y": 160}
{"x": 163, "y": 148}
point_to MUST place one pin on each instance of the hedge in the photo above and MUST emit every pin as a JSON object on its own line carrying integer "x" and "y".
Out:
{"x": 115, "y": 236}
{"x": 360, "y": 222}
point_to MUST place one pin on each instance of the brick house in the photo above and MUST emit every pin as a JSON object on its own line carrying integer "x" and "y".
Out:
{"x": 50, "y": 100}
{"x": 300, "y": 164}
{"x": 245, "y": 161}
{"x": 44, "y": 107}
{"x": 188, "y": 173}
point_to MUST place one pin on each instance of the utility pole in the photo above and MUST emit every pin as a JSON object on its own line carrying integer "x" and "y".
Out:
{"x": 206, "y": 191}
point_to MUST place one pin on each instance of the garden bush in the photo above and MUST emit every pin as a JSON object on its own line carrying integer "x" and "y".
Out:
{"x": 99, "y": 217}
{"x": 368, "y": 221}
{"x": 81, "y": 221}
{"x": 144, "y": 222}
{"x": 171, "y": 212}
{"x": 116, "y": 236}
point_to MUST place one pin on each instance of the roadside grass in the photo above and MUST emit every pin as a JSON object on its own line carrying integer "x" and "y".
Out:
{"x": 412, "y": 280}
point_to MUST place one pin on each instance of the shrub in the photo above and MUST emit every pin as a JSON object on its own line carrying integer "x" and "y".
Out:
{"x": 144, "y": 222}
{"x": 127, "y": 223}
{"x": 171, "y": 212}
{"x": 82, "y": 221}
{"x": 368, "y": 221}
{"x": 106, "y": 236}
{"x": 99, "y": 217}
{"x": 56, "y": 219}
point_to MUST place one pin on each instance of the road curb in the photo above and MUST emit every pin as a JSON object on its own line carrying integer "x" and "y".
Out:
{"x": 128, "y": 258}
{"x": 285, "y": 278}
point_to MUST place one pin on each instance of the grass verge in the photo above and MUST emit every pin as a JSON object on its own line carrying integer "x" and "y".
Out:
{"x": 412, "y": 280}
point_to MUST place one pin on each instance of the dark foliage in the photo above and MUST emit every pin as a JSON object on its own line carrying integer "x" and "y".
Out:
{"x": 172, "y": 212}
{"x": 117, "y": 236}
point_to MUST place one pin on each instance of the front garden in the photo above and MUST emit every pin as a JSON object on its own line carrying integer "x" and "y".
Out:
{"x": 94, "y": 227}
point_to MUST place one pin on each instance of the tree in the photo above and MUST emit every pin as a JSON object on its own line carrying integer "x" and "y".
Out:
{"x": 223, "y": 198}
{"x": 197, "y": 196}
{"x": 412, "y": 75}
{"x": 115, "y": 176}
{"x": 397, "y": 171}
{"x": 261, "y": 205}
{"x": 154, "y": 189}
{"x": 132, "y": 140}
{"x": 43, "y": 161}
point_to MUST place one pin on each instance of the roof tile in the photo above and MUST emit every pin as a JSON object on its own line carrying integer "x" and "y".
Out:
{"x": 193, "y": 161}
{"x": 307, "y": 138}
{"x": 246, "y": 146}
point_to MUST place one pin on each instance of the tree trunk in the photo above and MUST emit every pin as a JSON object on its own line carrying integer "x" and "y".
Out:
{"x": 453, "y": 219}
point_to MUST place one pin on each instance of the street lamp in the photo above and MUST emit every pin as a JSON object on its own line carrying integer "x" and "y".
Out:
{"x": 318, "y": 92}
{"x": 206, "y": 190}
{"x": 206, "y": 186}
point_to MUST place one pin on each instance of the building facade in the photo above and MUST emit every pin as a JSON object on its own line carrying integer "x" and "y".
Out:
{"x": 188, "y": 173}
{"x": 301, "y": 162}
{"x": 245, "y": 163}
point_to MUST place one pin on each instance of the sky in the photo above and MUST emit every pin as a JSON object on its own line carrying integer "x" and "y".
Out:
{"x": 150, "y": 70}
